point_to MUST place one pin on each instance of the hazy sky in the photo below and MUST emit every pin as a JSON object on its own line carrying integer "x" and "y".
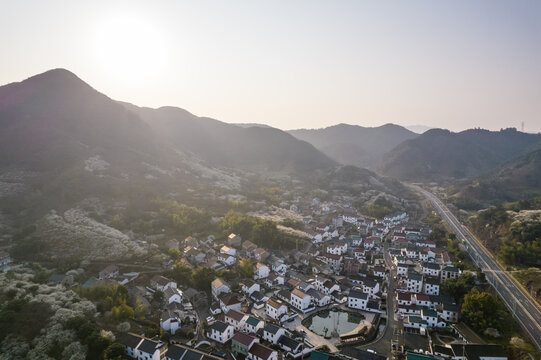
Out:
{"x": 292, "y": 64}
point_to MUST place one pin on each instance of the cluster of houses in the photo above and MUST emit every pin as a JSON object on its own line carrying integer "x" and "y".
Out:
{"x": 344, "y": 266}
{"x": 421, "y": 269}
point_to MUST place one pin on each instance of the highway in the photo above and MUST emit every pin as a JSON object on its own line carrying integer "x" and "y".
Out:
{"x": 522, "y": 306}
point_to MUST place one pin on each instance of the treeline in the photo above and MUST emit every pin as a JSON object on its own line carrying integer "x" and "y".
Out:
{"x": 379, "y": 208}
{"x": 114, "y": 298}
{"x": 261, "y": 232}
{"x": 162, "y": 214}
{"x": 515, "y": 242}
{"x": 199, "y": 277}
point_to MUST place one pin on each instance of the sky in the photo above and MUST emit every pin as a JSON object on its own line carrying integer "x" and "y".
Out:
{"x": 293, "y": 64}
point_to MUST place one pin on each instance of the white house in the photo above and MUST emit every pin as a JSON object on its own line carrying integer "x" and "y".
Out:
{"x": 318, "y": 298}
{"x": 272, "y": 333}
{"x": 279, "y": 267}
{"x": 161, "y": 283}
{"x": 169, "y": 321}
{"x": 415, "y": 282}
{"x": 228, "y": 250}
{"x": 356, "y": 241}
{"x": 300, "y": 300}
{"x": 371, "y": 287}
{"x": 357, "y": 300}
{"x": 220, "y": 332}
{"x": 261, "y": 352}
{"x": 450, "y": 272}
{"x": 337, "y": 248}
{"x": 228, "y": 302}
{"x": 273, "y": 279}
{"x": 402, "y": 269}
{"x": 227, "y": 259}
{"x": 173, "y": 295}
{"x": 379, "y": 271}
{"x": 253, "y": 324}
{"x": 421, "y": 300}
{"x": 130, "y": 342}
{"x": 150, "y": 350}
{"x": 275, "y": 308}
{"x": 249, "y": 286}
{"x": 431, "y": 317}
{"x": 329, "y": 287}
{"x": 448, "y": 312}
{"x": 261, "y": 271}
{"x": 431, "y": 286}
{"x": 236, "y": 319}
{"x": 431, "y": 269}
{"x": 335, "y": 261}
{"x": 218, "y": 287}
{"x": 403, "y": 298}
{"x": 414, "y": 321}
{"x": 319, "y": 281}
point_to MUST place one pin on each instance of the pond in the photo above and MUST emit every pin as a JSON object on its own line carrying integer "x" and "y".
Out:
{"x": 330, "y": 323}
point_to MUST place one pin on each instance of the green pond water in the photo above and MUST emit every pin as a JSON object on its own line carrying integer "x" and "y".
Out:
{"x": 342, "y": 322}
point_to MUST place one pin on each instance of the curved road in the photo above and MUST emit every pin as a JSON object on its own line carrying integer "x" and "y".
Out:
{"x": 519, "y": 302}
{"x": 382, "y": 344}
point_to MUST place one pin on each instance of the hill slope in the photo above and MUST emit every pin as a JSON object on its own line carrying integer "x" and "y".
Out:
{"x": 355, "y": 145}
{"x": 52, "y": 120}
{"x": 517, "y": 179}
{"x": 254, "y": 148}
{"x": 442, "y": 155}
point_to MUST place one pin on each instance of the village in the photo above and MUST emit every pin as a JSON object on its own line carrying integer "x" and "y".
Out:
{"x": 357, "y": 288}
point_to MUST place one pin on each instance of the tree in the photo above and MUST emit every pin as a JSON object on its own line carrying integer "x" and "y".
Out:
{"x": 115, "y": 351}
{"x": 174, "y": 254}
{"x": 140, "y": 310}
{"x": 122, "y": 312}
{"x": 480, "y": 310}
{"x": 181, "y": 273}
{"x": 246, "y": 266}
{"x": 458, "y": 287}
{"x": 158, "y": 296}
{"x": 202, "y": 277}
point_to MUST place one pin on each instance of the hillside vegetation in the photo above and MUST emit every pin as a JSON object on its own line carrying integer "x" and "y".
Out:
{"x": 517, "y": 179}
{"x": 440, "y": 155}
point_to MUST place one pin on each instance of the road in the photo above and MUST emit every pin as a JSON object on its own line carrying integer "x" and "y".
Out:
{"x": 522, "y": 306}
{"x": 382, "y": 345}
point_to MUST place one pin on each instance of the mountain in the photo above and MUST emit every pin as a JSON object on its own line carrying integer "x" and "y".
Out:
{"x": 439, "y": 155}
{"x": 517, "y": 179}
{"x": 245, "y": 125}
{"x": 353, "y": 144}
{"x": 253, "y": 148}
{"x": 52, "y": 120}
{"x": 418, "y": 129}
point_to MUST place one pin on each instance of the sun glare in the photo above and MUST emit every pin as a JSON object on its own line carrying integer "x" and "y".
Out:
{"x": 130, "y": 47}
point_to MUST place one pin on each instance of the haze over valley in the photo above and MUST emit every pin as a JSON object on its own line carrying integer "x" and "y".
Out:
{"x": 270, "y": 180}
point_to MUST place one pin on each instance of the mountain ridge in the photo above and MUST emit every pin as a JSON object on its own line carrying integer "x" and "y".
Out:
{"x": 355, "y": 144}
{"x": 442, "y": 155}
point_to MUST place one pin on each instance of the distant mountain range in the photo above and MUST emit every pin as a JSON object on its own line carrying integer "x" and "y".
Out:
{"x": 62, "y": 141}
{"x": 353, "y": 144}
{"x": 55, "y": 119}
{"x": 439, "y": 155}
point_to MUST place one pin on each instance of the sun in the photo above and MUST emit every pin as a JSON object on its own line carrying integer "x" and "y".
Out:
{"x": 130, "y": 47}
